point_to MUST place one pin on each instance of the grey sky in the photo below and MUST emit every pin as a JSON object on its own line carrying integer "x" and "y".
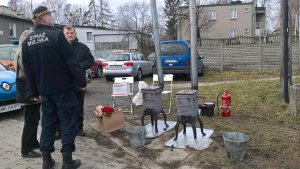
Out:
{"x": 114, "y": 4}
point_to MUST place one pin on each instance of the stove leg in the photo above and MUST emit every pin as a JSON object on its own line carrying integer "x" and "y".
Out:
{"x": 194, "y": 130}
{"x": 155, "y": 122}
{"x": 176, "y": 130}
{"x": 142, "y": 118}
{"x": 165, "y": 119}
{"x": 201, "y": 126}
{"x": 152, "y": 123}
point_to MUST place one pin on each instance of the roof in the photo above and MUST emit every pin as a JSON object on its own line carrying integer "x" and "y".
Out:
{"x": 6, "y": 11}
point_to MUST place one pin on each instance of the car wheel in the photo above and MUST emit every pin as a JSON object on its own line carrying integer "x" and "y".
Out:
{"x": 108, "y": 78}
{"x": 138, "y": 75}
{"x": 99, "y": 72}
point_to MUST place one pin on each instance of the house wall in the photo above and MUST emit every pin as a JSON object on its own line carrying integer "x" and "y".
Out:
{"x": 221, "y": 27}
{"x": 21, "y": 25}
{"x": 102, "y": 36}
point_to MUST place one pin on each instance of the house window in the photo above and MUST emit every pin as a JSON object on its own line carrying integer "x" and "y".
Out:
{"x": 246, "y": 31}
{"x": 212, "y": 15}
{"x": 247, "y": 10}
{"x": 233, "y": 33}
{"x": 258, "y": 25}
{"x": 89, "y": 36}
{"x": 12, "y": 30}
{"x": 233, "y": 14}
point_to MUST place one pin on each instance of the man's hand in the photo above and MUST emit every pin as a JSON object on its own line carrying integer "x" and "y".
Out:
{"x": 37, "y": 99}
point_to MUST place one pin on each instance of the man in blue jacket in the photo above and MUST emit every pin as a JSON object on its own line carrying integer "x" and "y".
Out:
{"x": 53, "y": 74}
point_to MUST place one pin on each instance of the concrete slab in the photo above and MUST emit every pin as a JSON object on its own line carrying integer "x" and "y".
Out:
{"x": 187, "y": 140}
{"x": 150, "y": 130}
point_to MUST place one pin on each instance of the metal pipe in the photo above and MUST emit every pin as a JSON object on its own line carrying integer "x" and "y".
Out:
{"x": 194, "y": 56}
{"x": 299, "y": 34}
{"x": 156, "y": 39}
{"x": 285, "y": 51}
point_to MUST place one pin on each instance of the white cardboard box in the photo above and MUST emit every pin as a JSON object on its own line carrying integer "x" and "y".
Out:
{"x": 121, "y": 88}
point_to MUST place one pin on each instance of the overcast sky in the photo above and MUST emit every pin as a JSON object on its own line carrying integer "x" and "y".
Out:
{"x": 114, "y": 4}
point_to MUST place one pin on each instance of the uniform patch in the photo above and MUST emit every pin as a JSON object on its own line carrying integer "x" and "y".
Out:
{"x": 37, "y": 39}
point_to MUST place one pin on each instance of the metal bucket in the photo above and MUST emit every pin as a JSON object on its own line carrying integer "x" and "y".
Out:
{"x": 136, "y": 135}
{"x": 235, "y": 145}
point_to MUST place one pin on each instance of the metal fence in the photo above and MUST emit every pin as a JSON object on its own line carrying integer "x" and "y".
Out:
{"x": 246, "y": 53}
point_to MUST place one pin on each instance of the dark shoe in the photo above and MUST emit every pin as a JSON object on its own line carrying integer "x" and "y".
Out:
{"x": 32, "y": 154}
{"x": 69, "y": 163}
{"x": 81, "y": 133}
{"x": 48, "y": 162}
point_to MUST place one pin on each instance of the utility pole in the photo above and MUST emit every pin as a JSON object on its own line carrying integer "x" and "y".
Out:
{"x": 298, "y": 21}
{"x": 284, "y": 50}
{"x": 290, "y": 43}
{"x": 194, "y": 56}
{"x": 156, "y": 39}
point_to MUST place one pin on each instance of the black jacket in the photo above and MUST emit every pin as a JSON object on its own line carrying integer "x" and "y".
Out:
{"x": 83, "y": 54}
{"x": 50, "y": 64}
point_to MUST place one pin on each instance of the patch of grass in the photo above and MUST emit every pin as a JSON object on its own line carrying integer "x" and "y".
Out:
{"x": 213, "y": 76}
{"x": 256, "y": 99}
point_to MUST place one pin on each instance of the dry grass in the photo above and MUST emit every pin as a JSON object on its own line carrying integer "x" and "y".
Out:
{"x": 259, "y": 112}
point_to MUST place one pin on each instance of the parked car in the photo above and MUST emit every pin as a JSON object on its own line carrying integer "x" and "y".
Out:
{"x": 7, "y": 55}
{"x": 126, "y": 64}
{"x": 97, "y": 69}
{"x": 8, "y": 90}
{"x": 176, "y": 58}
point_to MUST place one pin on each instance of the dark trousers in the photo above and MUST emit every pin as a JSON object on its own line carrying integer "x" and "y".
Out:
{"x": 60, "y": 109}
{"x": 31, "y": 122}
{"x": 80, "y": 97}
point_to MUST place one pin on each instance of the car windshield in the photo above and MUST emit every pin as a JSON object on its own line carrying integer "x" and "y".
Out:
{"x": 2, "y": 68}
{"x": 5, "y": 53}
{"x": 118, "y": 57}
{"x": 170, "y": 49}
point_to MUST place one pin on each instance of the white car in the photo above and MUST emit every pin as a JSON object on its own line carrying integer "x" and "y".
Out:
{"x": 126, "y": 64}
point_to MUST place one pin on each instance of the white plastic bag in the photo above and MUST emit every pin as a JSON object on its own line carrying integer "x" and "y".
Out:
{"x": 138, "y": 98}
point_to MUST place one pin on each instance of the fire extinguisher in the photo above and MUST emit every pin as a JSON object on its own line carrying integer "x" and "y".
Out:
{"x": 225, "y": 104}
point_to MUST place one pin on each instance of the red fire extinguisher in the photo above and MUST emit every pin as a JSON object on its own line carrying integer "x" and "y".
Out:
{"x": 226, "y": 104}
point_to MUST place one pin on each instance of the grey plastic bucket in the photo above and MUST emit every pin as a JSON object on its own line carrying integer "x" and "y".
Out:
{"x": 136, "y": 135}
{"x": 235, "y": 145}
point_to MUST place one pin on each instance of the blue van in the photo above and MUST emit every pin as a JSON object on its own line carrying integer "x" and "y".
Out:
{"x": 176, "y": 58}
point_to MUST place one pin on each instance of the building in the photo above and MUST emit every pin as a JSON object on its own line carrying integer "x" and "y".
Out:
{"x": 102, "y": 41}
{"x": 12, "y": 25}
{"x": 226, "y": 20}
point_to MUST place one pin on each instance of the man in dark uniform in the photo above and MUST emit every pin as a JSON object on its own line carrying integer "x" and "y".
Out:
{"x": 53, "y": 73}
{"x": 86, "y": 60}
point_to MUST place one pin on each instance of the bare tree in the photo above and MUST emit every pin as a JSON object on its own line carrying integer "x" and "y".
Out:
{"x": 99, "y": 13}
{"x": 202, "y": 20}
{"x": 135, "y": 19}
{"x": 105, "y": 17}
{"x": 58, "y": 7}
{"x": 171, "y": 7}
{"x": 21, "y": 7}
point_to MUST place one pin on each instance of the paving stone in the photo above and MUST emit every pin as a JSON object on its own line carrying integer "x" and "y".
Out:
{"x": 88, "y": 151}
